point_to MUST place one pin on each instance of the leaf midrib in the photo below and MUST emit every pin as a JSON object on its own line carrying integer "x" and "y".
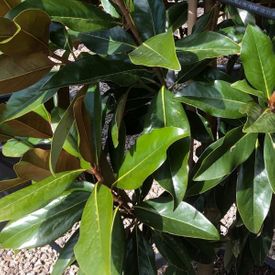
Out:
{"x": 38, "y": 189}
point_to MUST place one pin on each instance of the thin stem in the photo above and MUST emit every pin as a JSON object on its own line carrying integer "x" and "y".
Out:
{"x": 129, "y": 20}
{"x": 192, "y": 14}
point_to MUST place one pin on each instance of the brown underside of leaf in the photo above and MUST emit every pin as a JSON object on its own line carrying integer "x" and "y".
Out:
{"x": 84, "y": 130}
{"x": 35, "y": 164}
{"x": 22, "y": 71}
{"x": 29, "y": 125}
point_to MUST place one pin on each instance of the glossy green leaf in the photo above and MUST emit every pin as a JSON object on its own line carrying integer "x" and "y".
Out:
{"x": 28, "y": 199}
{"x": 112, "y": 41}
{"x": 17, "y": 148}
{"x": 203, "y": 22}
{"x": 185, "y": 220}
{"x": 45, "y": 224}
{"x": 244, "y": 87}
{"x": 218, "y": 99}
{"x": 235, "y": 33}
{"x": 66, "y": 256}
{"x": 157, "y": 51}
{"x": 204, "y": 45}
{"x": 202, "y": 186}
{"x": 173, "y": 174}
{"x": 254, "y": 193}
{"x": 232, "y": 150}
{"x": 32, "y": 33}
{"x": 239, "y": 16}
{"x": 259, "y": 120}
{"x": 142, "y": 160}
{"x": 26, "y": 100}
{"x": 177, "y": 15}
{"x": 269, "y": 159}
{"x": 117, "y": 119}
{"x": 92, "y": 102}
{"x": 260, "y": 245}
{"x": 81, "y": 71}
{"x": 174, "y": 251}
{"x": 76, "y": 15}
{"x": 59, "y": 35}
{"x": 118, "y": 244}
{"x": 6, "y": 5}
{"x": 149, "y": 17}
{"x": 260, "y": 69}
{"x": 22, "y": 71}
{"x": 140, "y": 257}
{"x": 94, "y": 255}
{"x": 117, "y": 154}
{"x": 109, "y": 7}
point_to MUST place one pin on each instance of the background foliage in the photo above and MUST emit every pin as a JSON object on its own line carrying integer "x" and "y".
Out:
{"x": 140, "y": 76}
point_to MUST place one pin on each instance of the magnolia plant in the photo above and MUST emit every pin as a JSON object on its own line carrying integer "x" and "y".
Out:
{"x": 107, "y": 101}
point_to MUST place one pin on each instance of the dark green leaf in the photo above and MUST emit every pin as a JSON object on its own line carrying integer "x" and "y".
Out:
{"x": 269, "y": 159}
{"x": 254, "y": 193}
{"x": 177, "y": 15}
{"x": 235, "y": 33}
{"x": 76, "y": 15}
{"x": 92, "y": 102}
{"x": 259, "y": 120}
{"x": 157, "y": 51}
{"x": 117, "y": 154}
{"x": 202, "y": 186}
{"x": 26, "y": 100}
{"x": 185, "y": 220}
{"x": 173, "y": 270}
{"x": 259, "y": 247}
{"x": 118, "y": 244}
{"x": 174, "y": 251}
{"x": 141, "y": 160}
{"x": 112, "y": 41}
{"x": 173, "y": 174}
{"x": 260, "y": 69}
{"x": 117, "y": 119}
{"x": 205, "y": 45}
{"x": 240, "y": 17}
{"x": 149, "y": 17}
{"x": 81, "y": 71}
{"x": 231, "y": 151}
{"x": 45, "y": 224}
{"x": 24, "y": 201}
{"x": 140, "y": 257}
{"x": 66, "y": 256}
{"x": 219, "y": 100}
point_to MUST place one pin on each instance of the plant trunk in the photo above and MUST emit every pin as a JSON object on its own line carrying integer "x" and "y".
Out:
{"x": 192, "y": 14}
